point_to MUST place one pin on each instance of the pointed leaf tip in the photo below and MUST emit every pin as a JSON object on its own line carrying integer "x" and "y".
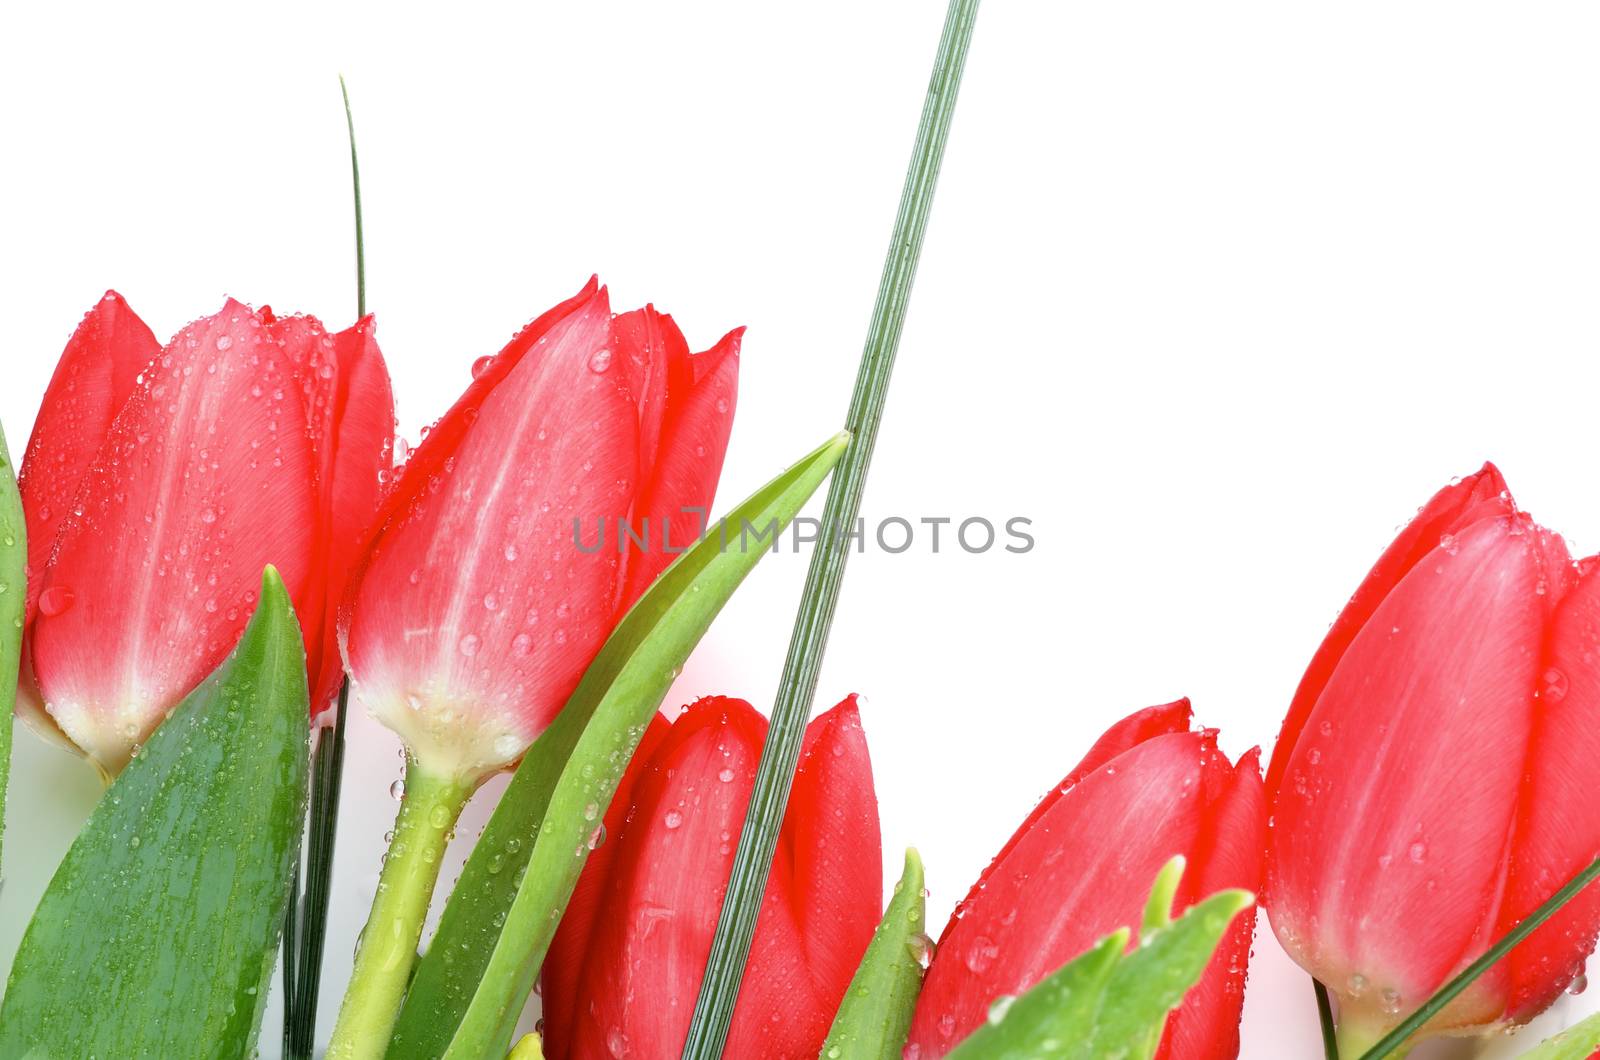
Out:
{"x": 874, "y": 1018}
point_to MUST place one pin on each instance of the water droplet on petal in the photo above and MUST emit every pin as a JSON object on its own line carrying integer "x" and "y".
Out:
{"x": 55, "y": 600}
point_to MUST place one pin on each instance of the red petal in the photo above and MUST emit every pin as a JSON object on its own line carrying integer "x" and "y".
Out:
{"x": 1079, "y": 870}
{"x": 1228, "y": 853}
{"x": 650, "y": 350}
{"x": 659, "y": 905}
{"x": 93, "y": 380}
{"x": 1449, "y": 511}
{"x": 681, "y": 484}
{"x": 350, "y": 406}
{"x": 1557, "y": 829}
{"x": 1392, "y": 824}
{"x": 205, "y": 478}
{"x": 830, "y": 867}
{"x": 630, "y": 964}
{"x": 1123, "y": 736}
{"x": 573, "y": 941}
{"x": 479, "y": 611}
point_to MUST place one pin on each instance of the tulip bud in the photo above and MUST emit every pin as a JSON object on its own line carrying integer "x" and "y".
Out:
{"x": 625, "y": 966}
{"x": 504, "y": 558}
{"x": 1080, "y": 868}
{"x": 1431, "y": 784}
{"x": 160, "y": 481}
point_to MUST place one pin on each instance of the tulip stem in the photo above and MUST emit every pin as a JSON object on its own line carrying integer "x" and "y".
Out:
{"x": 388, "y": 946}
{"x": 1330, "y": 1041}
{"x": 1393, "y": 1042}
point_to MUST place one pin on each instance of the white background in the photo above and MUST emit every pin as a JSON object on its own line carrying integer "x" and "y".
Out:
{"x": 1216, "y": 294}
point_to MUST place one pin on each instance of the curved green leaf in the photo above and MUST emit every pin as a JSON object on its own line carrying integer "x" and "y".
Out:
{"x": 1054, "y": 1019}
{"x": 13, "y": 598}
{"x": 1577, "y": 1042}
{"x": 875, "y": 1015}
{"x": 624, "y": 685}
{"x": 157, "y": 935}
{"x": 1107, "y": 1004}
{"x": 1149, "y": 982}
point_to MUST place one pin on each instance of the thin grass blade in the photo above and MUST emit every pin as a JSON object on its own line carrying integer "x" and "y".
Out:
{"x": 770, "y": 796}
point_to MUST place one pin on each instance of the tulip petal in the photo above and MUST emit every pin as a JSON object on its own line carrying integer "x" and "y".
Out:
{"x": 626, "y": 966}
{"x": 92, "y": 381}
{"x": 454, "y": 643}
{"x": 1557, "y": 831}
{"x": 1077, "y": 871}
{"x": 1123, "y": 736}
{"x": 652, "y": 351}
{"x": 563, "y": 966}
{"x": 1453, "y": 508}
{"x": 350, "y": 407}
{"x": 1228, "y": 854}
{"x": 1392, "y": 825}
{"x": 830, "y": 867}
{"x": 678, "y": 493}
{"x": 661, "y": 898}
{"x": 204, "y": 478}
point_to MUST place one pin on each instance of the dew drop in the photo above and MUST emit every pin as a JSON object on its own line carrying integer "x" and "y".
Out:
{"x": 55, "y": 600}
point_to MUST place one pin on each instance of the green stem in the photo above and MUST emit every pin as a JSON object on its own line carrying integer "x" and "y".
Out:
{"x": 758, "y": 840}
{"x": 1330, "y": 1043}
{"x": 388, "y": 946}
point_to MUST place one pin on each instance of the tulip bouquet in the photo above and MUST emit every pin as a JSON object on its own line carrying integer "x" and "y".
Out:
{"x": 216, "y": 547}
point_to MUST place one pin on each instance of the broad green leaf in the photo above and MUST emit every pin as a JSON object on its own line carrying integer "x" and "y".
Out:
{"x": 1150, "y": 981}
{"x": 1577, "y": 1042}
{"x": 875, "y": 1015}
{"x": 1053, "y": 1020}
{"x": 13, "y": 598}
{"x": 622, "y": 688}
{"x": 157, "y": 935}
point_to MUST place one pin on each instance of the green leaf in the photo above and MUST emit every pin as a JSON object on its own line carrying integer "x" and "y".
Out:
{"x": 1577, "y": 1042}
{"x": 780, "y": 754}
{"x": 875, "y": 1015}
{"x": 1150, "y": 981}
{"x": 157, "y": 936}
{"x": 1107, "y": 1005}
{"x": 13, "y": 599}
{"x": 622, "y": 688}
{"x": 1056, "y": 1018}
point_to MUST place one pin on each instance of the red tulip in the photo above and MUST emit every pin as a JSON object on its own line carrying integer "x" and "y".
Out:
{"x": 1081, "y": 866}
{"x": 157, "y": 484}
{"x": 625, "y": 966}
{"x": 1432, "y": 783}
{"x": 496, "y": 573}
